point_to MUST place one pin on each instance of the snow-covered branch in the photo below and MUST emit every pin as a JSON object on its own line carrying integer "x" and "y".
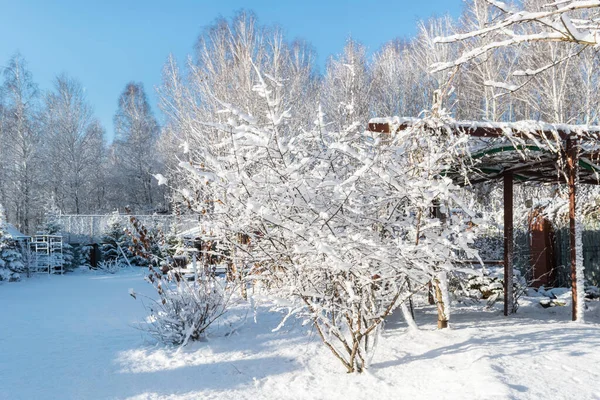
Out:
{"x": 574, "y": 22}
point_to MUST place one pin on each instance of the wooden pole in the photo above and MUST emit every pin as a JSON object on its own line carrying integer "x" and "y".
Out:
{"x": 508, "y": 243}
{"x": 571, "y": 181}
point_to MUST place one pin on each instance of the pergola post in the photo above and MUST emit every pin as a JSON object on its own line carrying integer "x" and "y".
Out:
{"x": 572, "y": 164}
{"x": 508, "y": 244}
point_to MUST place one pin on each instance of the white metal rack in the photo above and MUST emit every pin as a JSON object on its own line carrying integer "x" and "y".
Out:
{"x": 47, "y": 253}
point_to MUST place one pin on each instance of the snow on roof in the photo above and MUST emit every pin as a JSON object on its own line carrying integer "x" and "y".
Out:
{"x": 529, "y": 126}
{"x": 12, "y": 232}
{"x": 499, "y": 128}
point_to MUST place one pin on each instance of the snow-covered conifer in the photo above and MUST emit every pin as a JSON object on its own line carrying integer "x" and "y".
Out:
{"x": 11, "y": 263}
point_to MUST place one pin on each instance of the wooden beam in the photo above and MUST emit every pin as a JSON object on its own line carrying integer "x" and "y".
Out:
{"x": 572, "y": 166}
{"x": 490, "y": 130}
{"x": 508, "y": 244}
{"x": 384, "y": 127}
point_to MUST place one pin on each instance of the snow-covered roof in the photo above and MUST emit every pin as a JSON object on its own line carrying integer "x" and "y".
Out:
{"x": 12, "y": 232}
{"x": 527, "y": 128}
{"x": 531, "y": 150}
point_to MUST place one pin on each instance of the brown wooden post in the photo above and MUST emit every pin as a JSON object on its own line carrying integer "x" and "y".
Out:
{"x": 508, "y": 243}
{"x": 572, "y": 163}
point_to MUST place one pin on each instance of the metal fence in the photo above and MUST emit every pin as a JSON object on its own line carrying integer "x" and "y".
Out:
{"x": 562, "y": 257}
{"x": 491, "y": 247}
{"x": 79, "y": 229}
{"x": 591, "y": 257}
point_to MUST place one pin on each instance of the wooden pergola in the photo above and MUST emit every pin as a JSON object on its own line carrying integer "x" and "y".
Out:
{"x": 522, "y": 152}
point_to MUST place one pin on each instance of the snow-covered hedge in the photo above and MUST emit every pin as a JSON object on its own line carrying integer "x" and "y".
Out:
{"x": 11, "y": 264}
{"x": 11, "y": 260}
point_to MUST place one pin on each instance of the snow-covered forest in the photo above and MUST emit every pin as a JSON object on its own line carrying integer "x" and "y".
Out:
{"x": 54, "y": 156}
{"x": 353, "y": 225}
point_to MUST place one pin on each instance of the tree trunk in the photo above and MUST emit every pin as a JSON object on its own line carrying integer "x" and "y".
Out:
{"x": 441, "y": 300}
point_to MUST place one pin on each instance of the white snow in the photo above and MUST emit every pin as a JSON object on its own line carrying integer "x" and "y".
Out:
{"x": 12, "y": 232}
{"x": 72, "y": 337}
{"x": 501, "y": 85}
{"x": 161, "y": 180}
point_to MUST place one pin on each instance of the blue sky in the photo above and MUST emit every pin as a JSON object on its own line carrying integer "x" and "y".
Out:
{"x": 105, "y": 44}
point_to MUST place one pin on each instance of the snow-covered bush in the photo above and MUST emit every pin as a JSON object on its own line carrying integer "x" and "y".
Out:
{"x": 67, "y": 258}
{"x": 112, "y": 266}
{"x": 340, "y": 222}
{"x": 185, "y": 309}
{"x": 117, "y": 244}
{"x": 11, "y": 263}
{"x": 51, "y": 225}
{"x": 171, "y": 245}
{"x": 84, "y": 254}
{"x": 11, "y": 260}
{"x": 592, "y": 292}
{"x": 486, "y": 284}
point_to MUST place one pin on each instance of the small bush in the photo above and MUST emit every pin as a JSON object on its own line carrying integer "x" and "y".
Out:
{"x": 487, "y": 285}
{"x": 111, "y": 266}
{"x": 185, "y": 309}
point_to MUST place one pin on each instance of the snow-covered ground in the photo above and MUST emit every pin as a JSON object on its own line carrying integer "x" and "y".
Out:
{"x": 72, "y": 337}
